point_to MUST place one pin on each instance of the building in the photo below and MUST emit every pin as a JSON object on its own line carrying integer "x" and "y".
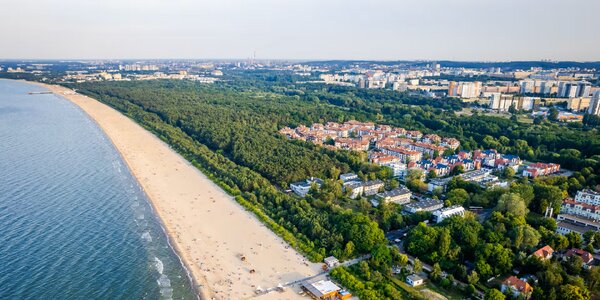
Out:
{"x": 588, "y": 196}
{"x": 424, "y": 205}
{"x": 578, "y": 104}
{"x": 348, "y": 177}
{"x": 447, "y": 212}
{"x": 586, "y": 257}
{"x": 582, "y": 209}
{"x": 372, "y": 187}
{"x": 464, "y": 89}
{"x": 331, "y": 262}
{"x": 355, "y": 188}
{"x": 594, "y": 108}
{"x": 403, "y": 153}
{"x": 414, "y": 280}
{"x": 571, "y": 223}
{"x": 540, "y": 169}
{"x": 399, "y": 195}
{"x": 303, "y": 187}
{"x": 323, "y": 290}
{"x": 544, "y": 253}
{"x": 517, "y": 287}
{"x": 438, "y": 184}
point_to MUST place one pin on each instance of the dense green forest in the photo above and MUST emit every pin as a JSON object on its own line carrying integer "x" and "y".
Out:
{"x": 229, "y": 131}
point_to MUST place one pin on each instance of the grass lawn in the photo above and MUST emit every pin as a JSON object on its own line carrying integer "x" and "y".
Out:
{"x": 448, "y": 293}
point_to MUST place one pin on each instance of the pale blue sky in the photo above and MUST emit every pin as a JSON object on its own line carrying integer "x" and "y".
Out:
{"x": 301, "y": 29}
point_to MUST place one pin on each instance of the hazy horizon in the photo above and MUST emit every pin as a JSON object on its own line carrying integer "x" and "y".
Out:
{"x": 383, "y": 30}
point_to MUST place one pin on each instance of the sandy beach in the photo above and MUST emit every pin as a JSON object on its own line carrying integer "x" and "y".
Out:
{"x": 229, "y": 253}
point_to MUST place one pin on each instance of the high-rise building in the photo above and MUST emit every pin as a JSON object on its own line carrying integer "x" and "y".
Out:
{"x": 595, "y": 104}
{"x": 527, "y": 86}
{"x": 584, "y": 89}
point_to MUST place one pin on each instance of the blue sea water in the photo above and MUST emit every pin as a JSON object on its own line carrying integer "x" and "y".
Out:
{"x": 74, "y": 224}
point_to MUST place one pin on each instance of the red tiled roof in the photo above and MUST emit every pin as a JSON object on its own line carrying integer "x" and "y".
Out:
{"x": 544, "y": 252}
{"x": 520, "y": 285}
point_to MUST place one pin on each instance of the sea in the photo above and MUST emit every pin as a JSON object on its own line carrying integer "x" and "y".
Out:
{"x": 74, "y": 223}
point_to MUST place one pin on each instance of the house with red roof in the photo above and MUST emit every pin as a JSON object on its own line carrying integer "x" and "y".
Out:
{"x": 544, "y": 253}
{"x": 517, "y": 287}
{"x": 586, "y": 257}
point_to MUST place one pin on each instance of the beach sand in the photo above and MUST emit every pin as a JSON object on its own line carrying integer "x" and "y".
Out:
{"x": 209, "y": 229}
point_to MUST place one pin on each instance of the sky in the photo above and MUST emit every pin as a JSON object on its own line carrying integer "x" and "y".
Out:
{"x": 468, "y": 30}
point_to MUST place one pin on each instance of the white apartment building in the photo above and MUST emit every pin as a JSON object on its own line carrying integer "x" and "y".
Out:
{"x": 447, "y": 212}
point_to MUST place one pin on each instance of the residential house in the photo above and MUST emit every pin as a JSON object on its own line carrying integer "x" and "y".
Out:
{"x": 544, "y": 253}
{"x": 586, "y": 257}
{"x": 517, "y": 287}
{"x": 331, "y": 262}
{"x": 414, "y": 280}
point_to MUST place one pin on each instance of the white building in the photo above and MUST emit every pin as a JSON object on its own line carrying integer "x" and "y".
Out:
{"x": 595, "y": 104}
{"x": 447, "y": 212}
{"x": 331, "y": 262}
{"x": 348, "y": 177}
{"x": 414, "y": 280}
{"x": 588, "y": 196}
{"x": 303, "y": 187}
{"x": 424, "y": 205}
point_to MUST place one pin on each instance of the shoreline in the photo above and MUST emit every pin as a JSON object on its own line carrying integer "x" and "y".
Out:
{"x": 210, "y": 268}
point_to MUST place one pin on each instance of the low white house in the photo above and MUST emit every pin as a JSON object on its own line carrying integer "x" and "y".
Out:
{"x": 414, "y": 280}
{"x": 331, "y": 262}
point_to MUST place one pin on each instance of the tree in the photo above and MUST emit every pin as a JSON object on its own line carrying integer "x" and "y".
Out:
{"x": 494, "y": 294}
{"x": 364, "y": 233}
{"x": 417, "y": 266}
{"x": 553, "y": 114}
{"x": 574, "y": 239}
{"x": 572, "y": 292}
{"x": 513, "y": 204}
{"x": 508, "y": 172}
{"x": 457, "y": 196}
{"x": 444, "y": 242}
{"x": 573, "y": 265}
{"x": 592, "y": 279}
{"x": 334, "y": 173}
{"x": 436, "y": 272}
{"x": 525, "y": 237}
{"x": 381, "y": 257}
{"x": 431, "y": 174}
{"x": 473, "y": 278}
{"x": 349, "y": 249}
{"x": 457, "y": 170}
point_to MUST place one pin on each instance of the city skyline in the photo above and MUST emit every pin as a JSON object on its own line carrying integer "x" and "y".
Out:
{"x": 464, "y": 30}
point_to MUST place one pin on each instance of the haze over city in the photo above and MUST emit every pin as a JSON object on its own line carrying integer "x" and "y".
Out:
{"x": 468, "y": 30}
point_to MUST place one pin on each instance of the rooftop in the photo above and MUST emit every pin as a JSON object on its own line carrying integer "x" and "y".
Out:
{"x": 321, "y": 288}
